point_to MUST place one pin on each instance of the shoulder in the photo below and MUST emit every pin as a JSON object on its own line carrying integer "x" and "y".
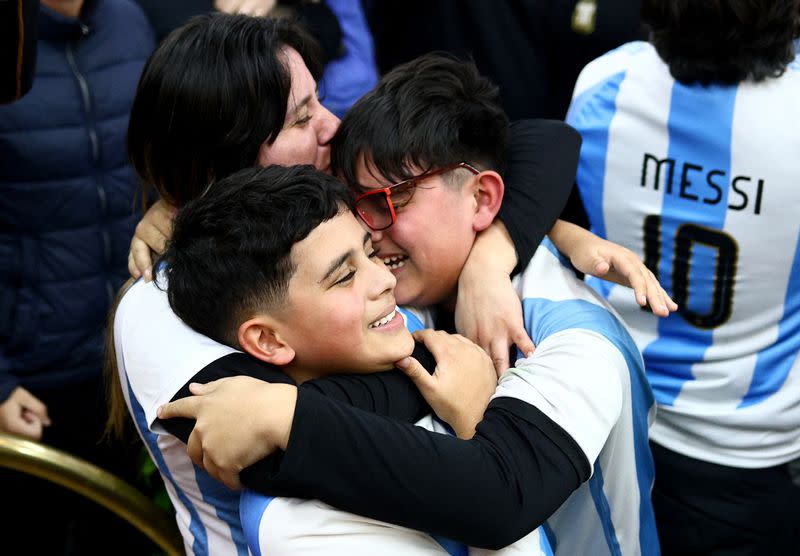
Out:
{"x": 122, "y": 9}
{"x": 602, "y": 77}
{"x": 121, "y": 24}
{"x": 554, "y": 300}
{"x": 156, "y": 350}
{"x": 613, "y": 63}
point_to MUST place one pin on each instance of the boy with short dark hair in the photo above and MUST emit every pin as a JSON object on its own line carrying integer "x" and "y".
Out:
{"x": 274, "y": 263}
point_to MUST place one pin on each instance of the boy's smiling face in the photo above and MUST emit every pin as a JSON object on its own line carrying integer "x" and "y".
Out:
{"x": 339, "y": 313}
{"x": 427, "y": 246}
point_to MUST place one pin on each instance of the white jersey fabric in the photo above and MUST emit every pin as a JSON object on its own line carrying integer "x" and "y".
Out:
{"x": 587, "y": 376}
{"x": 288, "y": 526}
{"x": 703, "y": 183}
{"x": 156, "y": 355}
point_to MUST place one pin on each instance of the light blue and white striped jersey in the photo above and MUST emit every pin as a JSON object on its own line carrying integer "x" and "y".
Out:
{"x": 289, "y": 526}
{"x": 156, "y": 355}
{"x": 587, "y": 376}
{"x": 703, "y": 183}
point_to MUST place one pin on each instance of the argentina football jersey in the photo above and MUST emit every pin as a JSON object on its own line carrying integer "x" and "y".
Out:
{"x": 206, "y": 511}
{"x": 587, "y": 376}
{"x": 279, "y": 525}
{"x": 702, "y": 183}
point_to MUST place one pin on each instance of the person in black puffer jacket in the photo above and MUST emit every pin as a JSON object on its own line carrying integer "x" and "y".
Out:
{"x": 67, "y": 197}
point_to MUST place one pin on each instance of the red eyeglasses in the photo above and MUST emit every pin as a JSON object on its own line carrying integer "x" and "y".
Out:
{"x": 377, "y": 206}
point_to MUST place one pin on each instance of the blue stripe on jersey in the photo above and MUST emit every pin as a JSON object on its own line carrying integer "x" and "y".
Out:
{"x": 412, "y": 321}
{"x": 774, "y": 363}
{"x": 252, "y": 506}
{"x": 546, "y": 243}
{"x": 451, "y": 547}
{"x": 544, "y": 544}
{"x": 601, "y": 504}
{"x": 680, "y": 345}
{"x": 198, "y": 531}
{"x": 218, "y": 496}
{"x": 214, "y": 492}
{"x": 594, "y": 122}
{"x": 552, "y": 539}
{"x": 543, "y": 318}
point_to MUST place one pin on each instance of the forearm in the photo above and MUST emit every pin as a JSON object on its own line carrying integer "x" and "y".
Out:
{"x": 485, "y": 492}
{"x": 493, "y": 248}
{"x": 567, "y": 237}
{"x": 390, "y": 393}
{"x": 543, "y": 160}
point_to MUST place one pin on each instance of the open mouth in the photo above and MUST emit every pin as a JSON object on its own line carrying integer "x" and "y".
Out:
{"x": 383, "y": 321}
{"x": 395, "y": 261}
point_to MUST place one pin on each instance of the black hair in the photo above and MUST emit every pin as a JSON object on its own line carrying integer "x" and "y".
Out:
{"x": 212, "y": 92}
{"x": 723, "y": 41}
{"x": 230, "y": 252}
{"x": 433, "y": 111}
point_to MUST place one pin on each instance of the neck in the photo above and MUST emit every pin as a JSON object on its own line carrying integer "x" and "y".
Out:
{"x": 298, "y": 375}
{"x": 68, "y": 8}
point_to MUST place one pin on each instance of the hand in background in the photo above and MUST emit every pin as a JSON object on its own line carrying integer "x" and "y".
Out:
{"x": 23, "y": 414}
{"x": 248, "y": 7}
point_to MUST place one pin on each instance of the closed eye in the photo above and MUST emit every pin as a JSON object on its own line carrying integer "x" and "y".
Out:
{"x": 346, "y": 278}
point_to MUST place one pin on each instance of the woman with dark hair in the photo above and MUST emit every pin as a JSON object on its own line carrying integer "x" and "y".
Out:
{"x": 226, "y": 92}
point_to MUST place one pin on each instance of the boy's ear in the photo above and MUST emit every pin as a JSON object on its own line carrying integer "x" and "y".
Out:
{"x": 260, "y": 337}
{"x": 488, "y": 192}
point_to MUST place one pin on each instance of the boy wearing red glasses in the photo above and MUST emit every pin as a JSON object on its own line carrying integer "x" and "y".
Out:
{"x": 423, "y": 150}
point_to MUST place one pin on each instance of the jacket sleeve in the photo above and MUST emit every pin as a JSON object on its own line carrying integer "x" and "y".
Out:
{"x": 391, "y": 393}
{"x": 486, "y": 492}
{"x": 7, "y": 381}
{"x": 542, "y": 162}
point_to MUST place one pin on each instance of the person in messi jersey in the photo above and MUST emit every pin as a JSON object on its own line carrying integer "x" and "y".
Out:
{"x": 193, "y": 122}
{"x": 563, "y": 443}
{"x": 689, "y": 158}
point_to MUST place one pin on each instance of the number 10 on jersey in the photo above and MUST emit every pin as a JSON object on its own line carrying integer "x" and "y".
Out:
{"x": 688, "y": 237}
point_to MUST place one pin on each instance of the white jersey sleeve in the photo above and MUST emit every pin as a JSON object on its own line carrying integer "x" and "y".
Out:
{"x": 573, "y": 378}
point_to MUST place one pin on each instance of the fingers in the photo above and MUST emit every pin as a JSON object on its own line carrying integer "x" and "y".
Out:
{"x": 34, "y": 405}
{"x": 184, "y": 407}
{"x": 601, "y": 267}
{"x": 29, "y": 426}
{"x": 524, "y": 344}
{"x": 139, "y": 261}
{"x": 198, "y": 389}
{"x": 498, "y": 351}
{"x": 230, "y": 479}
{"x": 194, "y": 447}
{"x": 417, "y": 373}
{"x": 151, "y": 234}
{"x": 249, "y": 7}
{"x": 162, "y": 217}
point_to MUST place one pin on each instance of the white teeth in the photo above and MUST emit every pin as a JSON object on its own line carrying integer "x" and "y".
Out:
{"x": 396, "y": 261}
{"x": 384, "y": 320}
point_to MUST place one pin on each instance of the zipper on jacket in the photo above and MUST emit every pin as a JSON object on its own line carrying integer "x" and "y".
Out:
{"x": 83, "y": 85}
